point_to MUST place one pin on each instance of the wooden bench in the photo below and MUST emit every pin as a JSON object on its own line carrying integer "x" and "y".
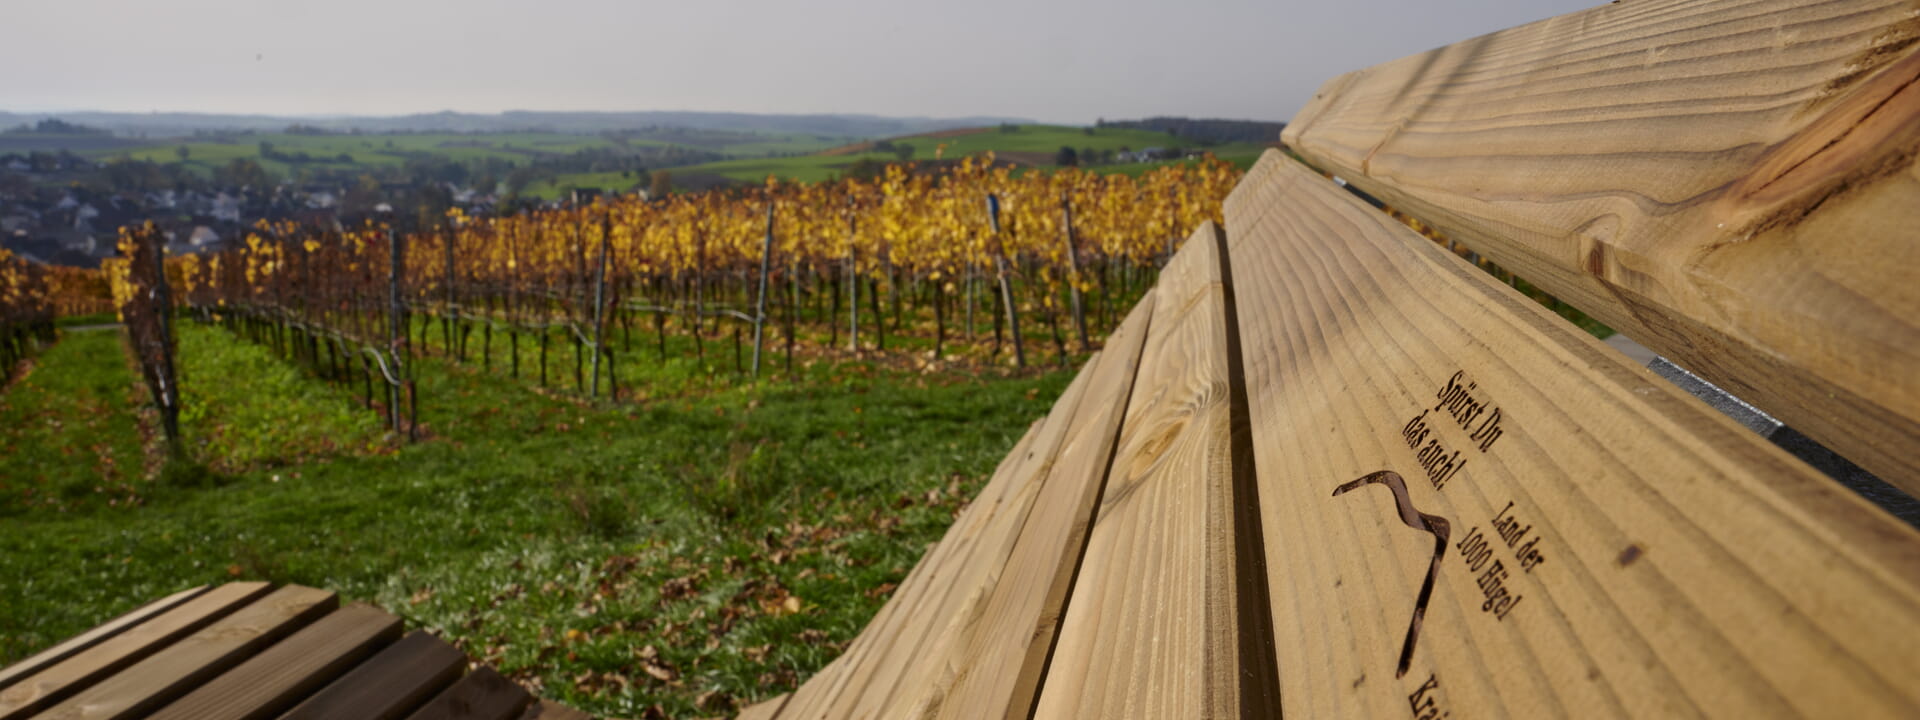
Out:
{"x": 249, "y": 650}
{"x": 1330, "y": 469}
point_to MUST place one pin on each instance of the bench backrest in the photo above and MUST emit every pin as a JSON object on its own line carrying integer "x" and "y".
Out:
{"x": 1330, "y": 469}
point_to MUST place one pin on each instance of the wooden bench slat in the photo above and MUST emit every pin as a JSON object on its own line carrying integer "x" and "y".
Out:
{"x": 281, "y": 675}
{"x": 948, "y": 581}
{"x": 482, "y": 695}
{"x": 391, "y": 684}
{"x": 1154, "y": 625}
{"x": 1661, "y": 561}
{"x": 184, "y": 665}
{"x": 1732, "y": 183}
{"x": 83, "y": 669}
{"x": 769, "y": 709}
{"x": 41, "y": 660}
{"x": 997, "y": 666}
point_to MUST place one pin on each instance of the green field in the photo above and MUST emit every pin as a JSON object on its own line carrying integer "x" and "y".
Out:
{"x": 745, "y": 532}
{"x": 1033, "y": 145}
{"x": 555, "y": 187}
{"x": 204, "y": 154}
{"x": 364, "y": 150}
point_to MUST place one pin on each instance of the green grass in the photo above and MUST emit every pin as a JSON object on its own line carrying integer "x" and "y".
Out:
{"x": 558, "y": 185}
{"x": 105, "y": 318}
{"x": 743, "y": 533}
{"x": 68, "y": 434}
{"x": 272, "y": 417}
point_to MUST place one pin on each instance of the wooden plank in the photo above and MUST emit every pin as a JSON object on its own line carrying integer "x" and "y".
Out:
{"x": 765, "y": 710}
{"x": 184, "y": 665}
{"x": 1731, "y": 182}
{"x": 286, "y": 673}
{"x": 1157, "y": 616}
{"x": 45, "y": 658}
{"x": 389, "y": 685}
{"x": 996, "y": 667}
{"x": 482, "y": 695}
{"x": 89, "y": 666}
{"x": 1609, "y": 545}
{"x": 949, "y": 583}
{"x": 550, "y": 710}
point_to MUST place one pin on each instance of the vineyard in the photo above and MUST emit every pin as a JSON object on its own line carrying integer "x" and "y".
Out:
{"x": 32, "y": 295}
{"x": 971, "y": 264}
{"x": 597, "y": 444}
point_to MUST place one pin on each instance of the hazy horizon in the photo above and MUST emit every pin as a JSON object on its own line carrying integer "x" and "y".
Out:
{"x": 1064, "y": 62}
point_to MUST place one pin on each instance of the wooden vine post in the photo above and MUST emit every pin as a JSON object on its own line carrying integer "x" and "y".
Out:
{"x": 169, "y": 389}
{"x": 452, "y": 319}
{"x": 1006, "y": 283}
{"x": 1073, "y": 274}
{"x": 760, "y": 304}
{"x": 396, "y": 328}
{"x": 853, "y": 281}
{"x": 600, "y": 300}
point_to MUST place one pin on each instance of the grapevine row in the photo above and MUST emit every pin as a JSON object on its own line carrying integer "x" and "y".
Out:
{"x": 914, "y": 256}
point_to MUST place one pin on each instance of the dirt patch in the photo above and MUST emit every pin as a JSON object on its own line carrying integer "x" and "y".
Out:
{"x": 1035, "y": 158}
{"x": 956, "y": 132}
{"x": 855, "y": 148}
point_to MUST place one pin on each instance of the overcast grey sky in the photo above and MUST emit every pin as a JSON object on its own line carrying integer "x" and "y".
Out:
{"x": 1065, "y": 61}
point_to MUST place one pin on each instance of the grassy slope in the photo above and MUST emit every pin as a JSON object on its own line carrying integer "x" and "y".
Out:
{"x": 742, "y": 534}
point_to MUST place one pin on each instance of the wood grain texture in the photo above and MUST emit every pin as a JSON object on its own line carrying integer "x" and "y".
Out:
{"x": 1155, "y": 624}
{"x": 882, "y": 670}
{"x": 996, "y": 667}
{"x": 184, "y": 665}
{"x": 768, "y": 709}
{"x": 1660, "y": 560}
{"x": 87, "y": 667}
{"x": 45, "y": 658}
{"x": 391, "y": 684}
{"x": 269, "y": 683}
{"x": 482, "y": 695}
{"x": 1731, "y": 182}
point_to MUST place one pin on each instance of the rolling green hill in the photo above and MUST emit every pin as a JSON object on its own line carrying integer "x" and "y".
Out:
{"x": 1030, "y": 145}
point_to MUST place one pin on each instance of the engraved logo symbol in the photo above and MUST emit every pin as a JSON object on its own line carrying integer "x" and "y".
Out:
{"x": 1434, "y": 524}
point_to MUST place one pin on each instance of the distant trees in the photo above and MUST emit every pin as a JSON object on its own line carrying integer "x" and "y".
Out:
{"x": 1066, "y": 157}
{"x": 182, "y": 152}
{"x": 243, "y": 172}
{"x": 56, "y": 126}
{"x": 1204, "y": 131}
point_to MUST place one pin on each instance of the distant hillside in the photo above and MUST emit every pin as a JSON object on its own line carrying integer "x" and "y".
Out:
{"x": 1206, "y": 130}
{"x": 183, "y": 124}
